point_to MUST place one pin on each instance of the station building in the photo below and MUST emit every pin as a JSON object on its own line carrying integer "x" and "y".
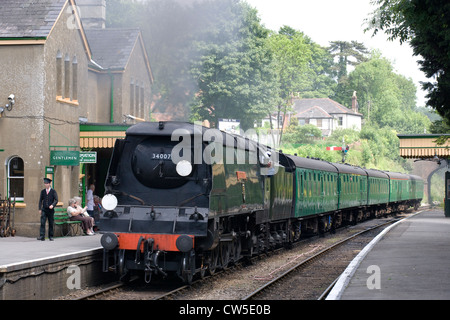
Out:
{"x": 68, "y": 88}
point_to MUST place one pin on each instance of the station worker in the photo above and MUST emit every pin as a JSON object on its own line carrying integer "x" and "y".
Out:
{"x": 47, "y": 202}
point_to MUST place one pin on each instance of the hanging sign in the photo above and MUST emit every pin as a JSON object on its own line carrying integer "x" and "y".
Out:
{"x": 88, "y": 157}
{"x": 64, "y": 158}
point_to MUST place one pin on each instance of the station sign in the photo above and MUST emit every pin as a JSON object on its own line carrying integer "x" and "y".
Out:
{"x": 88, "y": 157}
{"x": 64, "y": 158}
{"x": 71, "y": 158}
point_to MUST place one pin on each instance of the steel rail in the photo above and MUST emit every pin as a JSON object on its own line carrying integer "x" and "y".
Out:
{"x": 317, "y": 255}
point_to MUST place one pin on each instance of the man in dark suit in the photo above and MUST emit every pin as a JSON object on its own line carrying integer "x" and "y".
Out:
{"x": 47, "y": 203}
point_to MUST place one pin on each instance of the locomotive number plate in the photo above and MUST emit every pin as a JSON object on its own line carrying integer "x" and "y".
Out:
{"x": 162, "y": 156}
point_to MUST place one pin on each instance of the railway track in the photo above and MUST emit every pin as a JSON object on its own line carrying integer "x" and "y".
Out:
{"x": 316, "y": 271}
{"x": 311, "y": 272}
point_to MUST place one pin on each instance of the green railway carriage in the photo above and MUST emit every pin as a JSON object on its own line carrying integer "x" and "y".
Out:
{"x": 352, "y": 186}
{"x": 399, "y": 187}
{"x": 316, "y": 189}
{"x": 378, "y": 187}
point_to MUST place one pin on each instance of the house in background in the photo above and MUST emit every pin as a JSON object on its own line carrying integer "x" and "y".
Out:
{"x": 327, "y": 115}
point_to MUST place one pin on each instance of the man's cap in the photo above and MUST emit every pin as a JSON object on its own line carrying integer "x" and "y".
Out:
{"x": 47, "y": 180}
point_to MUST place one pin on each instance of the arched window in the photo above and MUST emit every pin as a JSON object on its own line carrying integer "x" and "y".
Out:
{"x": 15, "y": 168}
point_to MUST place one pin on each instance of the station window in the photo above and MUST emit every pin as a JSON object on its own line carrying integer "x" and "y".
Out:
{"x": 15, "y": 169}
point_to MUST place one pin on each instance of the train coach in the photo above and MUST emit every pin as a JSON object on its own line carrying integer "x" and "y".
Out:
{"x": 184, "y": 199}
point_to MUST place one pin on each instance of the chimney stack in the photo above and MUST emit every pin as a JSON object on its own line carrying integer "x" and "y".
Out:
{"x": 354, "y": 102}
{"x": 92, "y": 13}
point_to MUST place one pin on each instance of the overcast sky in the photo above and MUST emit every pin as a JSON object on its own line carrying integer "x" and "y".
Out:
{"x": 338, "y": 20}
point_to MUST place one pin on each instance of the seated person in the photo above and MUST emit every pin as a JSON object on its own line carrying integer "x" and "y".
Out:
{"x": 76, "y": 213}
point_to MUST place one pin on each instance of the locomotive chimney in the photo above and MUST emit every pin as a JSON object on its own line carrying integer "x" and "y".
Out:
{"x": 354, "y": 102}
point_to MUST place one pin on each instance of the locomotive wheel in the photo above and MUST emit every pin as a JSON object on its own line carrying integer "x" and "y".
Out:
{"x": 124, "y": 275}
{"x": 237, "y": 247}
{"x": 187, "y": 267}
{"x": 213, "y": 260}
{"x": 225, "y": 254}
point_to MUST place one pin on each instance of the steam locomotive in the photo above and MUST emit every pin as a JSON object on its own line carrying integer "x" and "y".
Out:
{"x": 185, "y": 199}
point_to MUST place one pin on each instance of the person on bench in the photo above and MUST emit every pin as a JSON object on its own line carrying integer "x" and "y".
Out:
{"x": 77, "y": 213}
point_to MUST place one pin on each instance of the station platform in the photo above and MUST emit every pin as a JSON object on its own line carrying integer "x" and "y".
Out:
{"x": 21, "y": 252}
{"x": 410, "y": 260}
{"x": 41, "y": 270}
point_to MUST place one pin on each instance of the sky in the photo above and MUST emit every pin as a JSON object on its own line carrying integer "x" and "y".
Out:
{"x": 339, "y": 20}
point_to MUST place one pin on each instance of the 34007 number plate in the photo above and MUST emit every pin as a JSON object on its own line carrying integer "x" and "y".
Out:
{"x": 162, "y": 156}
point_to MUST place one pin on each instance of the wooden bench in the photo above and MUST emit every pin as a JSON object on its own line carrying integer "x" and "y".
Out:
{"x": 66, "y": 226}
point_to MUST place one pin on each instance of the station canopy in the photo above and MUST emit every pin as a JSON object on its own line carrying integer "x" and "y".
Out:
{"x": 99, "y": 136}
{"x": 423, "y": 146}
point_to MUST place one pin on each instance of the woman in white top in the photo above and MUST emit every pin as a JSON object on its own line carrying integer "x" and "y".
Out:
{"x": 76, "y": 213}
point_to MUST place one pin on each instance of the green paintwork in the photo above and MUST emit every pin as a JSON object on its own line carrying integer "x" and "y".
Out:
{"x": 316, "y": 192}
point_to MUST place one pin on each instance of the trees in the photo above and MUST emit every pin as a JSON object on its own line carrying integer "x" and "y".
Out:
{"x": 234, "y": 70}
{"x": 344, "y": 51}
{"x": 348, "y": 54}
{"x": 425, "y": 24}
{"x": 213, "y": 59}
{"x": 385, "y": 98}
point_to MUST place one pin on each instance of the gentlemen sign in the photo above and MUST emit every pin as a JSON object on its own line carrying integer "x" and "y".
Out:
{"x": 64, "y": 158}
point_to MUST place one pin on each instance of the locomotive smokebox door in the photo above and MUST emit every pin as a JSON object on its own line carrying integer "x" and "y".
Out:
{"x": 447, "y": 194}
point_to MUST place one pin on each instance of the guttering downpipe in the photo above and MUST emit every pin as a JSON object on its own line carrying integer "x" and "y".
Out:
{"x": 111, "y": 120}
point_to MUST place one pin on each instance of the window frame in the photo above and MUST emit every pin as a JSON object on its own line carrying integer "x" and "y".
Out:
{"x": 9, "y": 177}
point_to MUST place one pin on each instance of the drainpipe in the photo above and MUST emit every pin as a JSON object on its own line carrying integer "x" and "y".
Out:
{"x": 111, "y": 120}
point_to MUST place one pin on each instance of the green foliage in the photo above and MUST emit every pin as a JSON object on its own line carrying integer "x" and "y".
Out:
{"x": 425, "y": 24}
{"x": 386, "y": 98}
{"x": 371, "y": 148}
{"x": 233, "y": 69}
{"x": 302, "y": 134}
{"x": 214, "y": 59}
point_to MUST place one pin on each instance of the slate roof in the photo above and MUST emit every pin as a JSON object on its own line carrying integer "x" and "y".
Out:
{"x": 28, "y": 18}
{"x": 111, "y": 48}
{"x": 313, "y": 108}
{"x": 314, "y": 113}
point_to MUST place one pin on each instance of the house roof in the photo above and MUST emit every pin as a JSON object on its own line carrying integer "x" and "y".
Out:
{"x": 31, "y": 20}
{"x": 111, "y": 48}
{"x": 28, "y": 18}
{"x": 320, "y": 108}
{"x": 314, "y": 112}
